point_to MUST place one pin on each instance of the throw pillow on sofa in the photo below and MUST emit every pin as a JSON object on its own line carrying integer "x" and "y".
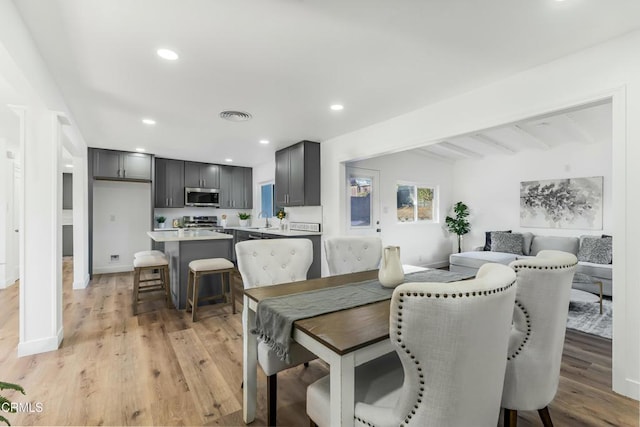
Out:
{"x": 487, "y": 239}
{"x": 597, "y": 250}
{"x": 507, "y": 242}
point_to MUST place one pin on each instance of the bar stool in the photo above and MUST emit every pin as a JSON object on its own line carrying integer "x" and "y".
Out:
{"x": 202, "y": 267}
{"x": 149, "y": 253}
{"x": 155, "y": 283}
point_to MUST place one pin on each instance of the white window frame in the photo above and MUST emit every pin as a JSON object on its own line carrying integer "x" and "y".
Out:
{"x": 435, "y": 217}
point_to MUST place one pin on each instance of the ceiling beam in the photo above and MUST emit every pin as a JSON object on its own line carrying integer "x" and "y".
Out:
{"x": 531, "y": 137}
{"x": 425, "y": 151}
{"x": 579, "y": 128}
{"x": 492, "y": 142}
{"x": 459, "y": 150}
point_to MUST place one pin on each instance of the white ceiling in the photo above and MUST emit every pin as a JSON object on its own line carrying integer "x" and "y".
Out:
{"x": 286, "y": 61}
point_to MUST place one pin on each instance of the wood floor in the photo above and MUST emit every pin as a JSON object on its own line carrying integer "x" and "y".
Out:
{"x": 159, "y": 368}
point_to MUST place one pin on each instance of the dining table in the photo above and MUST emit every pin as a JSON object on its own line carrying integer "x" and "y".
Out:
{"x": 343, "y": 339}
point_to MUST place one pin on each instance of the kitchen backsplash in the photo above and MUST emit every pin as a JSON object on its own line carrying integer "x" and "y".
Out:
{"x": 294, "y": 214}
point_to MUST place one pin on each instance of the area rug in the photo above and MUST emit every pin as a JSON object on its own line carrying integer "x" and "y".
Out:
{"x": 586, "y": 317}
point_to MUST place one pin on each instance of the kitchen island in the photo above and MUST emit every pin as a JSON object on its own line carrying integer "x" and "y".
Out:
{"x": 185, "y": 245}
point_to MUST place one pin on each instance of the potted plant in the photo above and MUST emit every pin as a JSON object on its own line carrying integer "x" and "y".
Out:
{"x": 459, "y": 224}
{"x": 5, "y": 404}
{"x": 244, "y": 218}
{"x": 281, "y": 216}
{"x": 161, "y": 221}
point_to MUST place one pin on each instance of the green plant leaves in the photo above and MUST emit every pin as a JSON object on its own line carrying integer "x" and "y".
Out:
{"x": 5, "y": 403}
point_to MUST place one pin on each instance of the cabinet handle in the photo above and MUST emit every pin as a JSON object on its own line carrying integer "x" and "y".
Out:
{"x": 118, "y": 173}
{"x": 167, "y": 202}
{"x": 124, "y": 173}
{"x": 170, "y": 201}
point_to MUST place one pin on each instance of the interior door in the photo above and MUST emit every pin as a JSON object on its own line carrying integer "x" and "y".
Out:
{"x": 363, "y": 201}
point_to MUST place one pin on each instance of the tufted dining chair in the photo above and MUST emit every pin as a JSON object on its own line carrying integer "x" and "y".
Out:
{"x": 537, "y": 336}
{"x": 451, "y": 340}
{"x": 271, "y": 262}
{"x": 350, "y": 254}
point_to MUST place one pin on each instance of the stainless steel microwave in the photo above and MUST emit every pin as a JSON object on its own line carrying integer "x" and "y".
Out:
{"x": 209, "y": 197}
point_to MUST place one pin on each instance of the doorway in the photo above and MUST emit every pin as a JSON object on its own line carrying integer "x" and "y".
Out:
{"x": 363, "y": 201}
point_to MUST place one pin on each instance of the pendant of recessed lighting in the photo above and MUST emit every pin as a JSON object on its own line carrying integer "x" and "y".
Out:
{"x": 235, "y": 116}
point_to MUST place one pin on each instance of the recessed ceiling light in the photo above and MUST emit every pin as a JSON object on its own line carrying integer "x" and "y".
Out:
{"x": 148, "y": 121}
{"x": 264, "y": 141}
{"x": 337, "y": 107}
{"x": 68, "y": 166}
{"x": 167, "y": 54}
{"x": 140, "y": 150}
{"x": 228, "y": 160}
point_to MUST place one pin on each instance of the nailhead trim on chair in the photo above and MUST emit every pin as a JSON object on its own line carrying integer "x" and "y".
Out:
{"x": 545, "y": 267}
{"x": 528, "y": 334}
{"x": 408, "y": 352}
{"x": 524, "y": 311}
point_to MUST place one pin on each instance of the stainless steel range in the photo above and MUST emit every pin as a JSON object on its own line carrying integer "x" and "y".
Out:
{"x": 210, "y": 222}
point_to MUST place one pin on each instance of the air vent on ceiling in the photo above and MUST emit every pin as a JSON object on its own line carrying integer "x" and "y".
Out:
{"x": 235, "y": 116}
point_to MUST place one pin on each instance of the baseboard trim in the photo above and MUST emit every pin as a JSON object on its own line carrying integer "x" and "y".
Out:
{"x": 82, "y": 284}
{"x": 632, "y": 389}
{"x": 41, "y": 345}
{"x": 112, "y": 269}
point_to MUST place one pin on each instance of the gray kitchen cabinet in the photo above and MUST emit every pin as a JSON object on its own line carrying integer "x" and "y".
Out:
{"x": 201, "y": 175}
{"x": 298, "y": 175}
{"x": 121, "y": 165}
{"x": 67, "y": 191}
{"x": 169, "y": 183}
{"x": 236, "y": 187}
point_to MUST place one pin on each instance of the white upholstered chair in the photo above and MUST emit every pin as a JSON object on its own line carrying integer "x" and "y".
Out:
{"x": 451, "y": 340}
{"x": 271, "y": 262}
{"x": 537, "y": 337}
{"x": 350, "y": 254}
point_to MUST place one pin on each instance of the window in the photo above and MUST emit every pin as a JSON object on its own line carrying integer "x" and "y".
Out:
{"x": 360, "y": 200}
{"x": 266, "y": 199}
{"x": 416, "y": 203}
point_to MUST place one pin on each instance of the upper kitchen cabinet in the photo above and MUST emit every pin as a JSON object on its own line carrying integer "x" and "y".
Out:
{"x": 298, "y": 175}
{"x": 201, "y": 175}
{"x": 236, "y": 184}
{"x": 169, "y": 182}
{"x": 121, "y": 165}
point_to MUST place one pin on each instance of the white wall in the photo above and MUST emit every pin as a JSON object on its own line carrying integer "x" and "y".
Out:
{"x": 607, "y": 70}
{"x": 425, "y": 244}
{"x": 41, "y": 107}
{"x": 491, "y": 186}
{"x": 120, "y": 223}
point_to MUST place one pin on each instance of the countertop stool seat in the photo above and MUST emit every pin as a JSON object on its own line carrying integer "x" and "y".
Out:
{"x": 149, "y": 253}
{"x": 202, "y": 267}
{"x": 157, "y": 283}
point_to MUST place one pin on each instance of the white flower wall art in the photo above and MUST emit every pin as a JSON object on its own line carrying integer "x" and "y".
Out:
{"x": 574, "y": 203}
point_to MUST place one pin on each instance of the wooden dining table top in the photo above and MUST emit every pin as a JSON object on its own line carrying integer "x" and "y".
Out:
{"x": 342, "y": 331}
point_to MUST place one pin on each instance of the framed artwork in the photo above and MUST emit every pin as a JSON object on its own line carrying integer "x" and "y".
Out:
{"x": 574, "y": 203}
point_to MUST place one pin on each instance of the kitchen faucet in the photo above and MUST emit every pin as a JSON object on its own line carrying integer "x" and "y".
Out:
{"x": 265, "y": 215}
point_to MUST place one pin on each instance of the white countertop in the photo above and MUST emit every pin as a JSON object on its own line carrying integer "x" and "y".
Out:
{"x": 276, "y": 231}
{"x": 186, "y": 235}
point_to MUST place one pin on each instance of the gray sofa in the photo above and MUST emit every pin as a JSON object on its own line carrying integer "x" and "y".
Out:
{"x": 470, "y": 262}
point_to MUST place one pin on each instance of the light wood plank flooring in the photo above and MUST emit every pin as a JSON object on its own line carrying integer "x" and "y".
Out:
{"x": 159, "y": 368}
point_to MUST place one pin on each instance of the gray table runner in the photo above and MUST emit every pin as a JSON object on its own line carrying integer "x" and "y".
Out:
{"x": 275, "y": 316}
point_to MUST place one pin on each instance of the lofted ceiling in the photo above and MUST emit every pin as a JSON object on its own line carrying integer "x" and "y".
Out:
{"x": 286, "y": 61}
{"x": 585, "y": 125}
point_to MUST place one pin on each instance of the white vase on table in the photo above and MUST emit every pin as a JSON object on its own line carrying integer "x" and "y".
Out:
{"x": 391, "y": 274}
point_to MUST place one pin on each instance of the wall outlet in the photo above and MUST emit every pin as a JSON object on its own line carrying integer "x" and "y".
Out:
{"x": 115, "y": 258}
